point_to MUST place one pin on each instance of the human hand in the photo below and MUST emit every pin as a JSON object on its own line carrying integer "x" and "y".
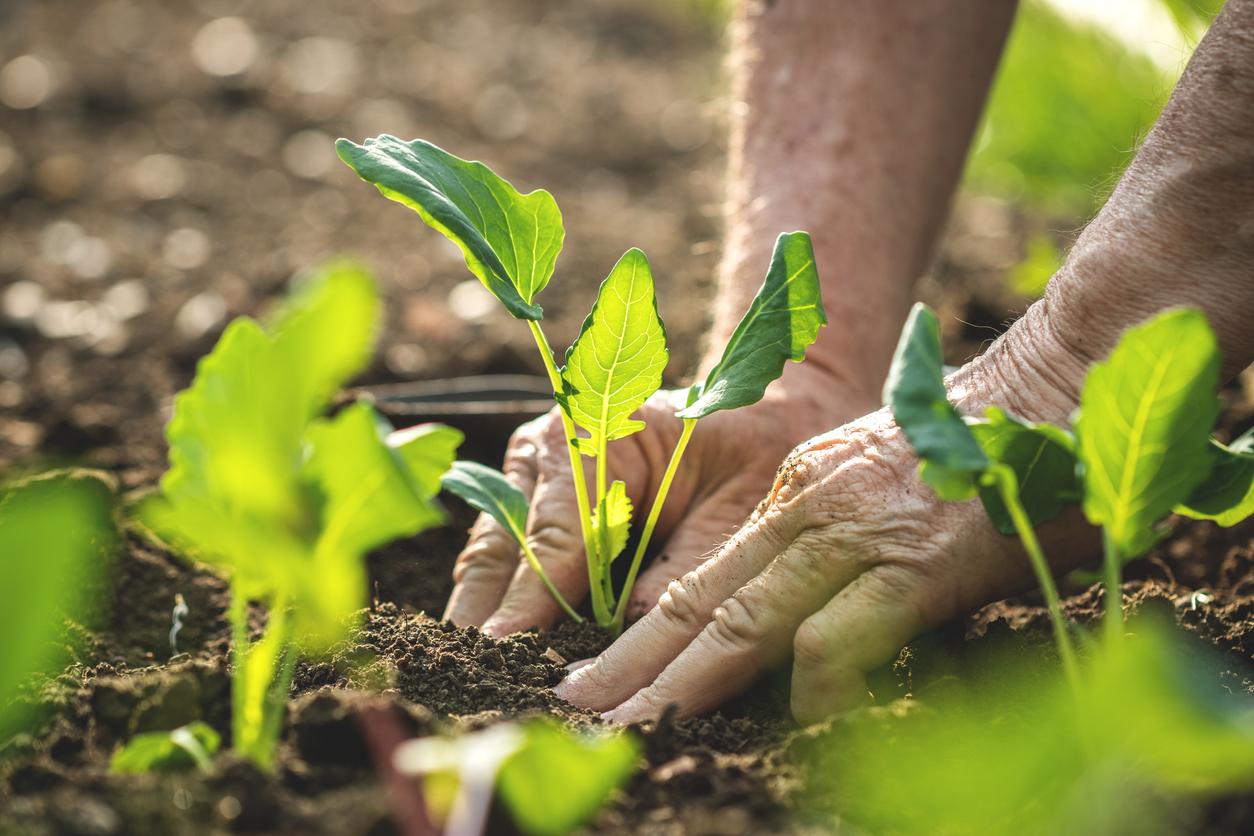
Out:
{"x": 849, "y": 558}
{"x": 728, "y": 467}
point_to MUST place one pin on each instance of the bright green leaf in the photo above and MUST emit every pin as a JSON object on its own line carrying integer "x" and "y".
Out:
{"x": 56, "y": 540}
{"x": 617, "y": 360}
{"x": 510, "y": 240}
{"x": 190, "y": 745}
{"x": 338, "y": 298}
{"x": 1144, "y": 426}
{"x": 782, "y": 321}
{"x": 951, "y": 459}
{"x": 615, "y": 509}
{"x": 1042, "y": 457}
{"x": 558, "y": 779}
{"x": 1227, "y": 495}
{"x": 487, "y": 490}
{"x": 428, "y": 451}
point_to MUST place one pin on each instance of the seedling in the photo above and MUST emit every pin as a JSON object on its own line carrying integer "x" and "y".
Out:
{"x": 511, "y": 242}
{"x": 190, "y": 745}
{"x": 550, "y": 779}
{"x": 1141, "y": 448}
{"x": 286, "y": 503}
{"x": 997, "y": 459}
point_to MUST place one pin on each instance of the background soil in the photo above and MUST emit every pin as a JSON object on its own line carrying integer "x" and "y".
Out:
{"x": 146, "y": 200}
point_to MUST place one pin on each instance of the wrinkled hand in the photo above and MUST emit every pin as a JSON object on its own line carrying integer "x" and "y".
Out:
{"x": 728, "y": 467}
{"x": 849, "y": 558}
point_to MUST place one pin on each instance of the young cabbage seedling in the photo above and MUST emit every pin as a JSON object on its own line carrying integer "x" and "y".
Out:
{"x": 550, "y": 778}
{"x": 1023, "y": 473}
{"x": 1144, "y": 426}
{"x": 286, "y": 503}
{"x": 1141, "y": 447}
{"x": 511, "y": 242}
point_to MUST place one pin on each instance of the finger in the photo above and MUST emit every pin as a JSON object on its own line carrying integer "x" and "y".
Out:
{"x": 681, "y": 613}
{"x": 555, "y": 534}
{"x": 748, "y": 633}
{"x": 484, "y": 568}
{"x": 694, "y": 542}
{"x": 861, "y": 629}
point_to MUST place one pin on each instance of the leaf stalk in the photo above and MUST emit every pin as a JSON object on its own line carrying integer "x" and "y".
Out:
{"x": 1008, "y": 487}
{"x": 655, "y": 511}
{"x": 600, "y": 609}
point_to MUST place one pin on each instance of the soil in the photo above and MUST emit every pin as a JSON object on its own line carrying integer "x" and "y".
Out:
{"x": 148, "y": 201}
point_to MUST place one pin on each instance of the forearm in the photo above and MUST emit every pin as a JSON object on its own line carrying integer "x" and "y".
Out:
{"x": 1178, "y": 230}
{"x": 851, "y": 120}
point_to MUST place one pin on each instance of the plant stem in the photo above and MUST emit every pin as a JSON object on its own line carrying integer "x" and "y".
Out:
{"x": 600, "y": 609}
{"x": 237, "y": 614}
{"x": 1008, "y": 487}
{"x": 1112, "y": 564}
{"x": 548, "y": 584}
{"x": 655, "y": 511}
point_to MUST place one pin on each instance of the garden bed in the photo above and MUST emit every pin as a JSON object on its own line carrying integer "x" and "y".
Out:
{"x": 737, "y": 771}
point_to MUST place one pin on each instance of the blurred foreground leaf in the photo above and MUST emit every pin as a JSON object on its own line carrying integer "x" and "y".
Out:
{"x": 56, "y": 539}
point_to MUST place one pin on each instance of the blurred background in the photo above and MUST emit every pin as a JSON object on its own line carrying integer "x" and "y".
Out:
{"x": 166, "y": 165}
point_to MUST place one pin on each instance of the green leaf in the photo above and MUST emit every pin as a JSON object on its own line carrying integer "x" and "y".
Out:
{"x": 1227, "y": 495}
{"x": 1144, "y": 426}
{"x": 510, "y": 240}
{"x": 237, "y": 435}
{"x": 190, "y": 745}
{"x": 337, "y": 298}
{"x": 1042, "y": 457}
{"x": 617, "y": 360}
{"x": 782, "y": 321}
{"x": 56, "y": 542}
{"x": 368, "y": 497}
{"x": 487, "y": 490}
{"x": 951, "y": 459}
{"x": 615, "y": 509}
{"x": 558, "y": 779}
{"x": 428, "y": 451}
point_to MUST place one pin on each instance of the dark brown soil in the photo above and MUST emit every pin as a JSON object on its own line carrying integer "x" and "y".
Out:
{"x": 622, "y": 105}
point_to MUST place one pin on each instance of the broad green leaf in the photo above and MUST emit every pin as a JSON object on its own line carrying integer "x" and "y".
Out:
{"x": 782, "y": 321}
{"x": 510, "y": 240}
{"x": 1144, "y": 426}
{"x": 368, "y": 497}
{"x": 56, "y": 541}
{"x": 237, "y": 434}
{"x": 487, "y": 490}
{"x": 1042, "y": 457}
{"x": 1227, "y": 495}
{"x": 340, "y": 299}
{"x": 950, "y": 458}
{"x": 558, "y": 779}
{"x": 617, "y": 360}
{"x": 428, "y": 450}
{"x": 190, "y": 745}
{"x": 615, "y": 510}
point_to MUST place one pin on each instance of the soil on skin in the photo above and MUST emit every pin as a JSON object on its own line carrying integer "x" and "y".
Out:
{"x": 167, "y": 200}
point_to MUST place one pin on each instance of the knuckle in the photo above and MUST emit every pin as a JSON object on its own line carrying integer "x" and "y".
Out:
{"x": 735, "y": 624}
{"x": 553, "y": 537}
{"x": 809, "y": 645}
{"x": 680, "y": 603}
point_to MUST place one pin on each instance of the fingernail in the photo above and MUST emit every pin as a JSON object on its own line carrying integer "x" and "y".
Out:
{"x": 582, "y": 663}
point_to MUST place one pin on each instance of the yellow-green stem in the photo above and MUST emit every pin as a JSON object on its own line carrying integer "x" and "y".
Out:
{"x": 620, "y": 612}
{"x": 1112, "y": 563}
{"x": 548, "y": 584}
{"x": 600, "y": 610}
{"x": 1008, "y": 487}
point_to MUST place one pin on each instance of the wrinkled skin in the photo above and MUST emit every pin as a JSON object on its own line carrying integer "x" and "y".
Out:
{"x": 728, "y": 467}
